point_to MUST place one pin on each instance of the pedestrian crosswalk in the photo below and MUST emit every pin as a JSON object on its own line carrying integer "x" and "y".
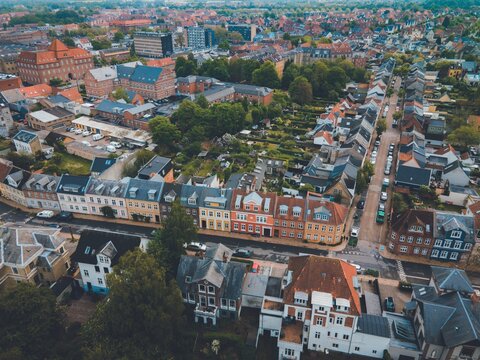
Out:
{"x": 401, "y": 271}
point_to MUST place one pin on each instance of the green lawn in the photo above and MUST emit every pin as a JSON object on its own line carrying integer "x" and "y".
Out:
{"x": 72, "y": 164}
{"x": 4, "y": 144}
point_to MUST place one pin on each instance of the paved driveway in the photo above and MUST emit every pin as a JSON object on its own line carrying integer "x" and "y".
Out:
{"x": 371, "y": 233}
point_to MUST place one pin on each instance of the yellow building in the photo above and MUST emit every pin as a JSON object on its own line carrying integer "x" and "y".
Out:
{"x": 143, "y": 200}
{"x": 214, "y": 209}
{"x": 34, "y": 255}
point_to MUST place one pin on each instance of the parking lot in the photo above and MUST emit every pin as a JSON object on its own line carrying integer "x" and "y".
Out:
{"x": 103, "y": 143}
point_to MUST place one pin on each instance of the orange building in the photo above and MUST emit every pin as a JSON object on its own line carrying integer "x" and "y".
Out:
{"x": 58, "y": 61}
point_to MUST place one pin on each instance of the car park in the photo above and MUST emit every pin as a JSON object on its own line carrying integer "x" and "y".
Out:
{"x": 45, "y": 214}
{"x": 242, "y": 253}
{"x": 384, "y": 196}
{"x": 195, "y": 246}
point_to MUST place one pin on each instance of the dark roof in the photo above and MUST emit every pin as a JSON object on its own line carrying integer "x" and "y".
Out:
{"x": 92, "y": 242}
{"x": 451, "y": 279}
{"x": 113, "y": 107}
{"x": 144, "y": 190}
{"x": 155, "y": 165}
{"x": 374, "y": 325}
{"x": 24, "y": 136}
{"x": 61, "y": 284}
{"x": 413, "y": 176}
{"x": 140, "y": 73}
{"x": 100, "y": 164}
{"x": 70, "y": 184}
{"x": 423, "y": 217}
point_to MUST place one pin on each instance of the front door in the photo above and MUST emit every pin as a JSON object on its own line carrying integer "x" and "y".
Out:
{"x": 204, "y": 224}
{"x": 266, "y": 232}
{"x": 89, "y": 286}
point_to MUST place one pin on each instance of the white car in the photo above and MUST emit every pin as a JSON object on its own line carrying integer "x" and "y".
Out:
{"x": 384, "y": 196}
{"x": 373, "y": 160}
{"x": 195, "y": 246}
{"x": 86, "y": 133}
{"x": 45, "y": 214}
{"x": 86, "y": 143}
{"x": 78, "y": 131}
{"x": 374, "y": 153}
{"x": 390, "y": 158}
{"x": 355, "y": 231}
{"x": 387, "y": 171}
{"x": 116, "y": 144}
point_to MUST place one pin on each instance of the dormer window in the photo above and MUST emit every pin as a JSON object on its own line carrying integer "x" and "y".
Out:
{"x": 456, "y": 234}
{"x": 283, "y": 210}
{"x": 133, "y": 192}
{"x": 297, "y": 211}
{"x": 151, "y": 194}
{"x": 169, "y": 198}
{"x": 188, "y": 279}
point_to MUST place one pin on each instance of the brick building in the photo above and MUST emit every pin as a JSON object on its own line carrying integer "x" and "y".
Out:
{"x": 100, "y": 82}
{"x": 58, "y": 61}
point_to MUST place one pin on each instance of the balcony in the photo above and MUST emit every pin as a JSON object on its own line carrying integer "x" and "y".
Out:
{"x": 202, "y": 310}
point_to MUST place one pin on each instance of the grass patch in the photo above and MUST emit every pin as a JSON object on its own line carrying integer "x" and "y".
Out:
{"x": 71, "y": 164}
{"x": 4, "y": 144}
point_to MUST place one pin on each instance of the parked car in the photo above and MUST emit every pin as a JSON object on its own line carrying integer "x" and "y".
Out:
{"x": 355, "y": 231}
{"x": 361, "y": 204}
{"x": 377, "y": 143}
{"x": 78, "y": 131}
{"x": 86, "y": 143}
{"x": 373, "y": 160}
{"x": 381, "y": 207}
{"x": 45, "y": 214}
{"x": 392, "y": 146}
{"x": 65, "y": 216}
{"x": 387, "y": 170}
{"x": 357, "y": 267}
{"x": 97, "y": 137}
{"x": 110, "y": 148}
{"x": 195, "y": 246}
{"x": 374, "y": 153}
{"x": 390, "y": 158}
{"x": 86, "y": 133}
{"x": 116, "y": 144}
{"x": 389, "y": 304}
{"x": 242, "y": 253}
{"x": 384, "y": 196}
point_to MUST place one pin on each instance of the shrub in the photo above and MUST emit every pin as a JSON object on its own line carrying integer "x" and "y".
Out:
{"x": 372, "y": 272}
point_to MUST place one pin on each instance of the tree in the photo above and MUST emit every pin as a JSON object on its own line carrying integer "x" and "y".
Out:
{"x": 399, "y": 204}
{"x": 101, "y": 44}
{"x": 143, "y": 316}
{"x": 121, "y": 93}
{"x": 202, "y": 101}
{"x": 368, "y": 169}
{"x": 397, "y": 115}
{"x": 107, "y": 211}
{"x": 291, "y": 72}
{"x": 119, "y": 36}
{"x": 55, "y": 82}
{"x": 167, "y": 243}
{"x": 69, "y": 41}
{"x": 217, "y": 68}
{"x": 361, "y": 184}
{"x": 164, "y": 133}
{"x": 381, "y": 126}
{"x": 464, "y": 136}
{"x": 31, "y": 322}
{"x": 300, "y": 90}
{"x": 21, "y": 160}
{"x": 266, "y": 75}
{"x": 185, "y": 67}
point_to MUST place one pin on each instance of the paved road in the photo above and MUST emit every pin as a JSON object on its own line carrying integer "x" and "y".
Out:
{"x": 373, "y": 234}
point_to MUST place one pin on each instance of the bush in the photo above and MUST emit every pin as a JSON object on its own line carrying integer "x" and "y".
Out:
{"x": 372, "y": 272}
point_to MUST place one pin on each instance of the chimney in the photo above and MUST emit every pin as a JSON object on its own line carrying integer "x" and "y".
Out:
{"x": 225, "y": 257}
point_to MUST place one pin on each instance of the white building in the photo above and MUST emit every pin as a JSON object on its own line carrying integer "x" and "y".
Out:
{"x": 107, "y": 193}
{"x": 71, "y": 193}
{"x": 6, "y": 120}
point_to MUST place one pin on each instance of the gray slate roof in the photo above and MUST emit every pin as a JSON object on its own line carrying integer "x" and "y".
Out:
{"x": 374, "y": 325}
{"x": 452, "y": 279}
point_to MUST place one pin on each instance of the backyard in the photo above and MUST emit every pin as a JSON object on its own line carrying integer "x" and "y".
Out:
{"x": 62, "y": 163}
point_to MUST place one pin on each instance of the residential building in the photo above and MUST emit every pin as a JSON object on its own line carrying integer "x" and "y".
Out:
{"x": 412, "y": 233}
{"x": 143, "y": 197}
{"x": 190, "y": 200}
{"x": 27, "y": 142}
{"x": 158, "y": 167}
{"x": 196, "y": 37}
{"x": 319, "y": 309}
{"x": 210, "y": 40}
{"x": 212, "y": 284}
{"x": 40, "y": 192}
{"x": 115, "y": 54}
{"x": 50, "y": 119}
{"x": 6, "y": 120}
{"x": 56, "y": 62}
{"x": 248, "y": 31}
{"x": 151, "y": 82}
{"x": 252, "y": 213}
{"x": 171, "y": 193}
{"x": 214, "y": 209}
{"x": 324, "y": 220}
{"x": 100, "y": 165}
{"x": 100, "y": 82}
{"x": 289, "y": 218}
{"x": 97, "y": 253}
{"x": 445, "y": 316}
{"x": 71, "y": 193}
{"x": 103, "y": 195}
{"x": 34, "y": 255}
{"x": 153, "y": 44}
{"x": 454, "y": 236}
{"x": 11, "y": 187}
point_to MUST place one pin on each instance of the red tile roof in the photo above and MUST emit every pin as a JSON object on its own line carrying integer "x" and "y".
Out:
{"x": 40, "y": 90}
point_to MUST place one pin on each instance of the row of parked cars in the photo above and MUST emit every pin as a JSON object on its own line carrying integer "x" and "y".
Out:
{"x": 201, "y": 247}
{"x": 388, "y": 165}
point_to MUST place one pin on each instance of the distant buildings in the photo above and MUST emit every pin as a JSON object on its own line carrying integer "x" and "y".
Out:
{"x": 58, "y": 61}
{"x": 153, "y": 44}
{"x": 50, "y": 119}
{"x": 248, "y": 31}
{"x": 196, "y": 37}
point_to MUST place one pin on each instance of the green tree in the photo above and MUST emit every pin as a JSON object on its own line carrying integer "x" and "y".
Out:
{"x": 368, "y": 169}
{"x": 164, "y": 133}
{"x": 291, "y": 72}
{"x": 465, "y": 135}
{"x": 266, "y": 75}
{"x": 101, "y": 44}
{"x": 21, "y": 160}
{"x": 185, "y": 67}
{"x": 55, "y": 82}
{"x": 143, "y": 316}
{"x": 119, "y": 36}
{"x": 381, "y": 126}
{"x": 202, "y": 101}
{"x": 167, "y": 243}
{"x": 300, "y": 90}
{"x": 361, "y": 183}
{"x": 68, "y": 41}
{"x": 217, "y": 68}
{"x": 107, "y": 211}
{"x": 31, "y": 323}
{"x": 398, "y": 203}
{"x": 121, "y": 93}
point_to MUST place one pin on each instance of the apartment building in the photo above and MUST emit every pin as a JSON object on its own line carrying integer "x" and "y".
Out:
{"x": 6, "y": 120}
{"x": 34, "y": 255}
{"x": 214, "y": 209}
{"x": 97, "y": 252}
{"x": 58, "y": 61}
{"x": 196, "y": 37}
{"x": 143, "y": 197}
{"x": 252, "y": 213}
{"x": 107, "y": 198}
{"x": 153, "y": 44}
{"x": 289, "y": 218}
{"x": 40, "y": 192}
{"x": 100, "y": 82}
{"x": 27, "y": 142}
{"x": 248, "y": 31}
{"x": 71, "y": 193}
{"x": 11, "y": 187}
{"x": 50, "y": 119}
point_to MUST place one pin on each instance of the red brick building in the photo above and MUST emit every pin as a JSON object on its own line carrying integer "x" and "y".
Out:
{"x": 289, "y": 218}
{"x": 8, "y": 82}
{"x": 58, "y": 61}
{"x": 100, "y": 82}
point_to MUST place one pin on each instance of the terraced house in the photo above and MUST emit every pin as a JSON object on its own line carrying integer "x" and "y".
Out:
{"x": 11, "y": 187}
{"x": 40, "y": 192}
{"x": 214, "y": 209}
{"x": 71, "y": 193}
{"x": 107, "y": 198}
{"x": 252, "y": 213}
{"x": 289, "y": 218}
{"x": 142, "y": 198}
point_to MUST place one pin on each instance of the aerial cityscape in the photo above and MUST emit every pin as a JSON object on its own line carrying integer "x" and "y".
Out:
{"x": 244, "y": 179}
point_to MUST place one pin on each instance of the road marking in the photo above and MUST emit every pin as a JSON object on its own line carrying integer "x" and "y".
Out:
{"x": 401, "y": 271}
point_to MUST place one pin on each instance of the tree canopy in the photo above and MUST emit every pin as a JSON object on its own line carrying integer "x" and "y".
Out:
{"x": 300, "y": 90}
{"x": 266, "y": 75}
{"x": 465, "y": 135}
{"x": 164, "y": 133}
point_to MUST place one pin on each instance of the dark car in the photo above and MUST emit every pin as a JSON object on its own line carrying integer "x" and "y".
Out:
{"x": 361, "y": 204}
{"x": 389, "y": 304}
{"x": 242, "y": 253}
{"x": 65, "y": 216}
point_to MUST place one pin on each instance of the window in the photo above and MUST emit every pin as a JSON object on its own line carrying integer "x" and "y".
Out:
{"x": 289, "y": 352}
{"x": 374, "y": 351}
{"x": 403, "y": 249}
{"x": 419, "y": 240}
{"x": 211, "y": 289}
{"x": 211, "y": 301}
{"x": 15, "y": 271}
{"x": 416, "y": 250}
{"x": 427, "y": 241}
{"x": 85, "y": 272}
{"x": 410, "y": 239}
{"x": 339, "y": 320}
{"x": 299, "y": 315}
{"x": 468, "y": 246}
{"x": 319, "y": 321}
{"x": 438, "y": 242}
{"x": 444, "y": 254}
{"x": 188, "y": 279}
{"x": 97, "y": 268}
{"x": 317, "y": 335}
{"x": 402, "y": 238}
{"x": 457, "y": 245}
{"x": 456, "y": 234}
{"x": 357, "y": 348}
{"x": 424, "y": 252}
{"x": 105, "y": 270}
{"x": 335, "y": 346}
{"x": 100, "y": 281}
{"x": 453, "y": 256}
{"x": 201, "y": 288}
{"x": 224, "y": 302}
{"x": 346, "y": 337}
{"x": 448, "y": 243}
{"x": 435, "y": 253}
{"x": 232, "y": 303}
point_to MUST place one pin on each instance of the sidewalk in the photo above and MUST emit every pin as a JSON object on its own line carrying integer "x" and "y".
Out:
{"x": 231, "y": 235}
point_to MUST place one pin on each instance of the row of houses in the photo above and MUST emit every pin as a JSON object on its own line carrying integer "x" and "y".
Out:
{"x": 150, "y": 196}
